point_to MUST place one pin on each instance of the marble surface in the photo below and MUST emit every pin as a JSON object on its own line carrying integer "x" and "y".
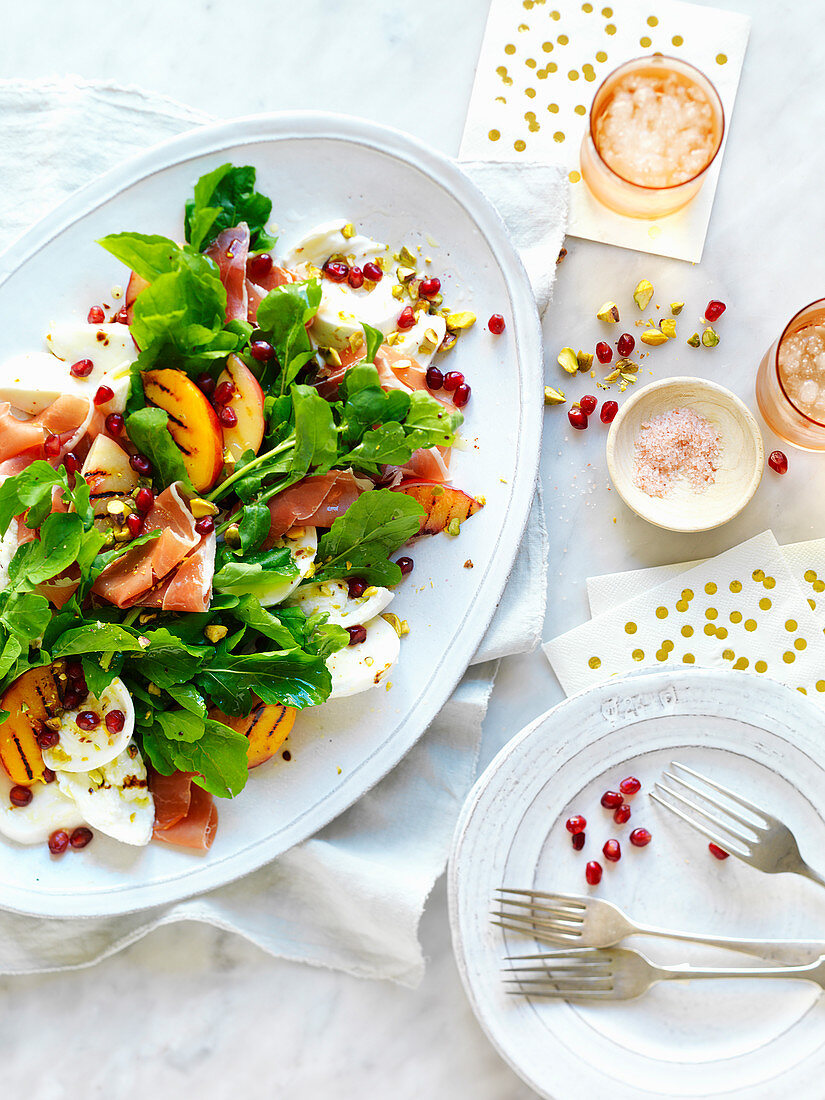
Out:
{"x": 190, "y": 1008}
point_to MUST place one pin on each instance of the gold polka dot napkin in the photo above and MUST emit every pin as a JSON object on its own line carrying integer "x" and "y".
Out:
{"x": 541, "y": 62}
{"x": 745, "y": 609}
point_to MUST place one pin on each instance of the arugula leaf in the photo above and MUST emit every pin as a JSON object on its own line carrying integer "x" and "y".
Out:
{"x": 188, "y": 696}
{"x": 95, "y": 637}
{"x": 148, "y": 430}
{"x": 186, "y": 741}
{"x": 316, "y": 437}
{"x": 167, "y": 660}
{"x": 26, "y": 615}
{"x": 313, "y": 633}
{"x": 11, "y": 651}
{"x": 283, "y": 316}
{"x": 293, "y": 677}
{"x": 148, "y": 255}
{"x": 61, "y": 536}
{"x": 360, "y": 541}
{"x": 430, "y": 417}
{"x": 374, "y": 338}
{"x": 28, "y": 489}
{"x": 256, "y": 574}
{"x": 250, "y": 612}
{"x": 224, "y": 198}
{"x": 253, "y": 528}
{"x": 97, "y": 677}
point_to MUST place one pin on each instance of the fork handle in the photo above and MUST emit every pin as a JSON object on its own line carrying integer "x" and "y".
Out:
{"x": 790, "y": 952}
{"x": 813, "y": 972}
{"x": 811, "y": 874}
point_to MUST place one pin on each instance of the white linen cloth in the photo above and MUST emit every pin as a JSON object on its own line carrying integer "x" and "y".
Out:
{"x": 350, "y": 897}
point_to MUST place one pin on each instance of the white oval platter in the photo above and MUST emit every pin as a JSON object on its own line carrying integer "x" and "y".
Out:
{"x": 315, "y": 167}
{"x": 737, "y": 1039}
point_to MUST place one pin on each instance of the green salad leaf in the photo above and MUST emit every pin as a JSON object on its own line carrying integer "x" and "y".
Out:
{"x": 223, "y": 198}
{"x": 283, "y": 316}
{"x": 360, "y": 541}
{"x": 148, "y": 430}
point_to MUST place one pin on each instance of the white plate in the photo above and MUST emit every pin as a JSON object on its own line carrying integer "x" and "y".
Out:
{"x": 744, "y": 1039}
{"x": 315, "y": 167}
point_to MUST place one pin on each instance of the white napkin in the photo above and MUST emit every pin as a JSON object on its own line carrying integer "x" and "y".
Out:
{"x": 352, "y": 896}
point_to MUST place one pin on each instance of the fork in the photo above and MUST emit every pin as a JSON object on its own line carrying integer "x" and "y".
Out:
{"x": 579, "y": 921}
{"x": 759, "y": 839}
{"x": 618, "y": 974}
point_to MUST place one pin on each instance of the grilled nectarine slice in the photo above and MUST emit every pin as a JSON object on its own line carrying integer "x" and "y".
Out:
{"x": 192, "y": 423}
{"x": 30, "y": 700}
{"x": 108, "y": 473}
{"x": 247, "y": 402}
{"x": 442, "y": 503}
{"x": 266, "y": 726}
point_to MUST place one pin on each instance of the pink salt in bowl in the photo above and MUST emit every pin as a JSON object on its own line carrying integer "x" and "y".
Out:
{"x": 685, "y": 454}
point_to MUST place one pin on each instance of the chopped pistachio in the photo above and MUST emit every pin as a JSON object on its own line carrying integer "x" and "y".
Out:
{"x": 348, "y": 231}
{"x": 553, "y": 396}
{"x": 393, "y": 620}
{"x": 709, "y": 337}
{"x": 147, "y": 617}
{"x": 406, "y": 257}
{"x": 436, "y": 301}
{"x": 567, "y": 360}
{"x": 676, "y": 308}
{"x": 404, "y": 274}
{"x": 449, "y": 342}
{"x": 609, "y": 312}
{"x": 453, "y": 527}
{"x": 117, "y": 508}
{"x": 668, "y": 327}
{"x": 397, "y": 292}
{"x": 122, "y": 534}
{"x": 154, "y": 689}
{"x": 694, "y": 340}
{"x": 643, "y": 293}
{"x": 459, "y": 321}
{"x": 355, "y": 341}
{"x": 109, "y": 536}
{"x": 333, "y": 357}
{"x": 626, "y": 365}
{"x": 653, "y": 337}
{"x": 295, "y": 533}
{"x": 584, "y": 359}
{"x": 405, "y": 627}
{"x": 627, "y": 377}
{"x": 232, "y": 536}
{"x": 201, "y": 508}
{"x": 368, "y": 593}
{"x": 394, "y": 338}
{"x": 614, "y": 374}
{"x": 214, "y": 633}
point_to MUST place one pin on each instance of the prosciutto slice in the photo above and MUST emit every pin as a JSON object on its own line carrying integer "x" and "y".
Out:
{"x": 229, "y": 251}
{"x": 197, "y": 828}
{"x": 258, "y": 290}
{"x": 315, "y": 501}
{"x": 172, "y": 795}
{"x": 67, "y": 418}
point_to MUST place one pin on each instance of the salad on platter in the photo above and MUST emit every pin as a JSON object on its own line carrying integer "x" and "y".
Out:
{"x": 203, "y": 490}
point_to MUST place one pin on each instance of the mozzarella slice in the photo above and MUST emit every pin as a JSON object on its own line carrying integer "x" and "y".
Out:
{"x": 415, "y": 342}
{"x": 8, "y": 548}
{"x": 110, "y": 348}
{"x": 81, "y": 750}
{"x": 333, "y": 598}
{"x": 327, "y": 240}
{"x": 359, "y": 667}
{"x": 302, "y": 545}
{"x": 49, "y": 809}
{"x": 114, "y": 798}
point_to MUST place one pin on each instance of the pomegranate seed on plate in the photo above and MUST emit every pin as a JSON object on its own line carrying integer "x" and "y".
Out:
{"x": 461, "y": 395}
{"x": 577, "y": 418}
{"x": 496, "y": 324}
{"x": 58, "y": 842}
{"x": 435, "y": 379}
{"x": 405, "y": 565}
{"x": 20, "y": 795}
{"x": 625, "y": 345}
{"x": 593, "y": 873}
{"x": 95, "y": 316}
{"x": 357, "y": 634}
{"x": 718, "y": 852}
{"x": 714, "y": 310}
{"x": 604, "y": 352}
{"x": 115, "y": 721}
{"x": 206, "y": 384}
{"x": 577, "y": 840}
{"x": 406, "y": 318}
{"x": 356, "y": 587}
{"x": 228, "y": 417}
{"x": 452, "y": 380}
{"x": 355, "y": 278}
{"x": 88, "y": 720}
{"x": 640, "y": 838}
{"x": 141, "y": 465}
{"x": 205, "y": 526}
{"x": 71, "y": 462}
{"x": 428, "y": 288}
{"x": 611, "y": 800}
{"x": 778, "y": 461}
{"x": 373, "y": 272}
{"x": 104, "y": 394}
{"x": 122, "y": 317}
{"x": 631, "y": 785}
{"x": 588, "y": 404}
{"x": 80, "y": 837}
{"x": 336, "y": 271}
{"x": 261, "y": 351}
{"x": 144, "y": 500}
{"x": 608, "y": 412}
{"x": 51, "y": 446}
{"x": 224, "y": 393}
{"x": 82, "y": 368}
{"x": 258, "y": 267}
{"x": 576, "y": 824}
{"x": 621, "y": 814}
{"x": 612, "y": 850}
{"x": 115, "y": 424}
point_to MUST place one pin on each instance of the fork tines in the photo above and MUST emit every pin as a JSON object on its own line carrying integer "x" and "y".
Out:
{"x": 578, "y": 973}
{"x": 555, "y": 915}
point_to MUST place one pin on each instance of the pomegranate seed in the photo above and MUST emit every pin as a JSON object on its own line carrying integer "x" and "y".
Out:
{"x": 435, "y": 379}
{"x": 88, "y": 720}
{"x": 611, "y": 800}
{"x": 640, "y": 838}
{"x": 406, "y": 566}
{"x": 621, "y": 814}
{"x": 604, "y": 352}
{"x": 141, "y": 465}
{"x": 631, "y": 785}
{"x": 135, "y": 525}
{"x": 336, "y": 271}
{"x": 714, "y": 849}
{"x": 82, "y": 368}
{"x": 576, "y": 824}
{"x": 20, "y": 795}
{"x": 406, "y": 318}
{"x": 261, "y": 351}
{"x": 122, "y": 317}
{"x": 95, "y": 316}
{"x": 80, "y": 837}
{"x": 577, "y": 418}
{"x": 588, "y": 404}
{"x": 115, "y": 424}
{"x": 356, "y": 587}
{"x": 205, "y": 526}
{"x": 496, "y": 324}
{"x": 48, "y": 775}
{"x": 625, "y": 345}
{"x": 258, "y": 267}
{"x": 104, "y": 394}
{"x": 577, "y": 840}
{"x": 357, "y": 634}
{"x": 71, "y": 699}
{"x": 461, "y": 395}
{"x": 355, "y": 278}
{"x": 373, "y": 272}
{"x": 452, "y": 380}
{"x": 47, "y": 739}
{"x": 205, "y": 383}
{"x": 71, "y": 462}
{"x": 58, "y": 842}
{"x": 144, "y": 500}
{"x": 612, "y": 850}
{"x": 593, "y": 873}
{"x": 225, "y": 392}
{"x": 778, "y": 461}
{"x": 115, "y": 721}
{"x": 228, "y": 417}
{"x": 74, "y": 670}
{"x": 428, "y": 288}
{"x": 51, "y": 446}
{"x": 608, "y": 412}
{"x": 714, "y": 310}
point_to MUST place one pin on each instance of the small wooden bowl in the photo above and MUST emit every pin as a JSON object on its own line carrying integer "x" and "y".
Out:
{"x": 742, "y": 458}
